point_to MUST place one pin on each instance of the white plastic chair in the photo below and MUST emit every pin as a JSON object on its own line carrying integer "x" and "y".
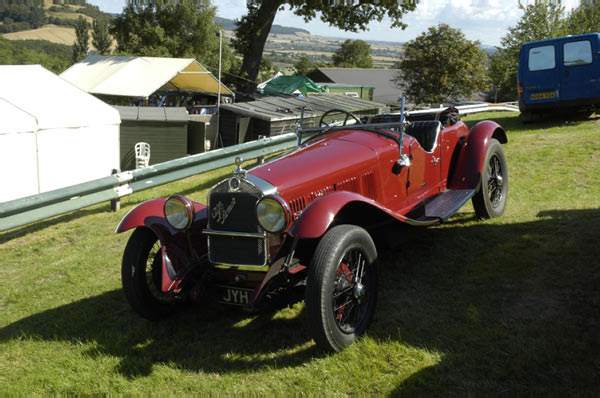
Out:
{"x": 142, "y": 155}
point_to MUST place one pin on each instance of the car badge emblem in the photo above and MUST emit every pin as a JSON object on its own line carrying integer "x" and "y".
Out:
{"x": 220, "y": 213}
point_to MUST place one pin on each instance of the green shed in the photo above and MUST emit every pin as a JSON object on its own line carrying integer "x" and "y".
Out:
{"x": 271, "y": 116}
{"x": 165, "y": 129}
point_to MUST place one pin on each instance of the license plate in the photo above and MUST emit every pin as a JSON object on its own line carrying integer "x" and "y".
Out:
{"x": 234, "y": 295}
{"x": 540, "y": 96}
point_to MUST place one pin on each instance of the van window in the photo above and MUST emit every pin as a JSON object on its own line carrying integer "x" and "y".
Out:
{"x": 541, "y": 58}
{"x": 578, "y": 53}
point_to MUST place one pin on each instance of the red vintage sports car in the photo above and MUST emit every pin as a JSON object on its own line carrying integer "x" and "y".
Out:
{"x": 300, "y": 226}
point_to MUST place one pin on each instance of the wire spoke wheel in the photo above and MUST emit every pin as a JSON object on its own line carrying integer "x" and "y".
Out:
{"x": 350, "y": 291}
{"x": 495, "y": 181}
{"x": 341, "y": 290}
{"x": 490, "y": 200}
{"x": 141, "y": 275}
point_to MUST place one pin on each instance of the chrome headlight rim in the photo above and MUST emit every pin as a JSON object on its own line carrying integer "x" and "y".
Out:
{"x": 285, "y": 213}
{"x": 188, "y": 209}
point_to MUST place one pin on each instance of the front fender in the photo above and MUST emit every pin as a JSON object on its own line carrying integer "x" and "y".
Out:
{"x": 469, "y": 164}
{"x": 176, "y": 255}
{"x": 150, "y": 214}
{"x": 318, "y": 216}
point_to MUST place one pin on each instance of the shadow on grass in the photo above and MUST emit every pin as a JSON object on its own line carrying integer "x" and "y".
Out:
{"x": 40, "y": 225}
{"x": 220, "y": 339}
{"x": 509, "y": 308}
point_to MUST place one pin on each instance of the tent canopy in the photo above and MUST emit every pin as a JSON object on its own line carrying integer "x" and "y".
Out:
{"x": 141, "y": 76}
{"x": 289, "y": 84}
{"x": 34, "y": 98}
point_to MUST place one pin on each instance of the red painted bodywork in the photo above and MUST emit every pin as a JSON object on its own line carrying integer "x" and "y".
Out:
{"x": 319, "y": 179}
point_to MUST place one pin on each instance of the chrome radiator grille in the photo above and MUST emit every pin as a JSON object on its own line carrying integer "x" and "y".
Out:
{"x": 234, "y": 236}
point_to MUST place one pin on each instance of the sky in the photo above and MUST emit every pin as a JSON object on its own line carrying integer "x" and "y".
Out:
{"x": 484, "y": 20}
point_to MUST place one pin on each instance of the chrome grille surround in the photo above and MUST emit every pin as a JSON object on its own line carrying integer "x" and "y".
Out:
{"x": 234, "y": 236}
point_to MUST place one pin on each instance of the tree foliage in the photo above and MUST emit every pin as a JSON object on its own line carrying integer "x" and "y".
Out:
{"x": 81, "y": 46}
{"x": 252, "y": 29}
{"x": 540, "y": 20}
{"x": 100, "y": 37}
{"x": 21, "y": 16}
{"x": 353, "y": 54}
{"x": 304, "y": 65}
{"x": 166, "y": 30}
{"x": 502, "y": 78}
{"x": 441, "y": 65}
{"x": 585, "y": 18}
{"x": 32, "y": 52}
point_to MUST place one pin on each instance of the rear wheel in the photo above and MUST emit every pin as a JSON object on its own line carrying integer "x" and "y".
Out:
{"x": 141, "y": 275}
{"x": 490, "y": 200}
{"x": 341, "y": 290}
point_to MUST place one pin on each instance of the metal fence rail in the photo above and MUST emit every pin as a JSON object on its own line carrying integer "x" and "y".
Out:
{"x": 19, "y": 212}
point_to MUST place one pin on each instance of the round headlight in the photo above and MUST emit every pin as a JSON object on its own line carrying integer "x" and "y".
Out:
{"x": 271, "y": 214}
{"x": 179, "y": 212}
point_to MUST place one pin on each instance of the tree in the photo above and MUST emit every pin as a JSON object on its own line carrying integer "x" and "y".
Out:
{"x": 585, "y": 18}
{"x": 441, "y": 65}
{"x": 166, "y": 30}
{"x": 502, "y": 80}
{"x": 37, "y": 17}
{"x": 100, "y": 37}
{"x": 540, "y": 20}
{"x": 252, "y": 30}
{"x": 304, "y": 65}
{"x": 353, "y": 54}
{"x": 80, "y": 48}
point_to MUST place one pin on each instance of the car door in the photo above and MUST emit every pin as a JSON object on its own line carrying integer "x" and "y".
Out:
{"x": 424, "y": 175}
{"x": 580, "y": 69}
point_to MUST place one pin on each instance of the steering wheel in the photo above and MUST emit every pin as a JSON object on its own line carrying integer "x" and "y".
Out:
{"x": 322, "y": 122}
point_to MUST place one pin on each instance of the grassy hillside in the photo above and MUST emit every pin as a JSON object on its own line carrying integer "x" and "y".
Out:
{"x": 54, "y": 58}
{"x": 508, "y": 306}
{"x": 51, "y": 33}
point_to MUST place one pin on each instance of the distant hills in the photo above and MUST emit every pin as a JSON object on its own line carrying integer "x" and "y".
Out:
{"x": 228, "y": 24}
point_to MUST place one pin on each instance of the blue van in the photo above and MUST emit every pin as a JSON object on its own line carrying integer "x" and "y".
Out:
{"x": 559, "y": 74}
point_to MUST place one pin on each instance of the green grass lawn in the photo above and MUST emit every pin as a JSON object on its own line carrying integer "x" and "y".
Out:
{"x": 506, "y": 306}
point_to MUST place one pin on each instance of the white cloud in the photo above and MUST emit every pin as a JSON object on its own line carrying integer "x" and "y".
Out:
{"x": 483, "y": 20}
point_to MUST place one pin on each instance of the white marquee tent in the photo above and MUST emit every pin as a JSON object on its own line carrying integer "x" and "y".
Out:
{"x": 52, "y": 133}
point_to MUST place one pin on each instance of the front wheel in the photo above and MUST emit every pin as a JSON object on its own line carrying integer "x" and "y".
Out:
{"x": 341, "y": 290}
{"x": 490, "y": 200}
{"x": 141, "y": 275}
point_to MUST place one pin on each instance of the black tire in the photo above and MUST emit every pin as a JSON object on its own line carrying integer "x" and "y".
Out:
{"x": 490, "y": 199}
{"x": 141, "y": 275}
{"x": 338, "y": 310}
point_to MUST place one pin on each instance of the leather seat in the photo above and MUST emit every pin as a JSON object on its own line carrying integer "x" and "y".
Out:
{"x": 425, "y": 132}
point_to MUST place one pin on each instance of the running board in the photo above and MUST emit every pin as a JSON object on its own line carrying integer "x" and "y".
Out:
{"x": 447, "y": 203}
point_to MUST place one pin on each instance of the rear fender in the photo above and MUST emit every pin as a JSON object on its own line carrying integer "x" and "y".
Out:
{"x": 319, "y": 215}
{"x": 469, "y": 163}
